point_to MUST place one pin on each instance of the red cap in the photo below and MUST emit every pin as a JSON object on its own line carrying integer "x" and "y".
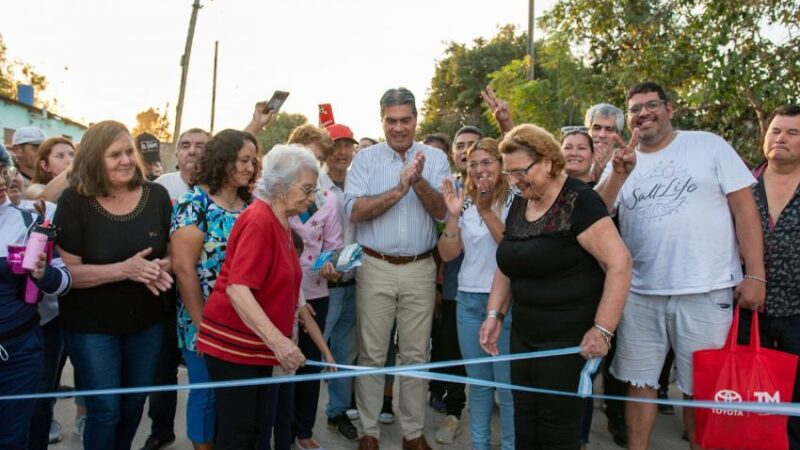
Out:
{"x": 338, "y": 131}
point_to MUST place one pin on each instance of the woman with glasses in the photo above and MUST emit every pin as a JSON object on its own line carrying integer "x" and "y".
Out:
{"x": 22, "y": 346}
{"x": 475, "y": 225}
{"x": 564, "y": 266}
{"x": 202, "y": 220}
{"x": 247, "y": 321}
{"x": 321, "y": 230}
{"x": 578, "y": 149}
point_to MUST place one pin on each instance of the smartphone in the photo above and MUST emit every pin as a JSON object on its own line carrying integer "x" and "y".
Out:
{"x": 325, "y": 115}
{"x": 275, "y": 103}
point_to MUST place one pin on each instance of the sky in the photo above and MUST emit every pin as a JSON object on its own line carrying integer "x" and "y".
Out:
{"x": 110, "y": 59}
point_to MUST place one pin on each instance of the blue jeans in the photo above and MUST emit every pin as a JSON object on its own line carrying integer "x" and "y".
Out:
{"x": 54, "y": 356}
{"x": 201, "y": 414}
{"x": 20, "y": 373}
{"x": 470, "y": 313}
{"x": 340, "y": 332}
{"x": 111, "y": 361}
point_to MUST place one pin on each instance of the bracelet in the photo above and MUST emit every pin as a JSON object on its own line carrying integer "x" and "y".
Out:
{"x": 753, "y": 277}
{"x": 496, "y": 314}
{"x": 449, "y": 235}
{"x": 606, "y": 339}
{"x": 604, "y": 331}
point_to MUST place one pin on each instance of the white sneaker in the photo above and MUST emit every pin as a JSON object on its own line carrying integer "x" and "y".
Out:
{"x": 386, "y": 417}
{"x": 55, "y": 432}
{"x": 80, "y": 425}
{"x": 352, "y": 414}
{"x": 446, "y": 434}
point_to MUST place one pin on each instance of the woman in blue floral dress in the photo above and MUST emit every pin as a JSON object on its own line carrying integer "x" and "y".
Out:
{"x": 201, "y": 222}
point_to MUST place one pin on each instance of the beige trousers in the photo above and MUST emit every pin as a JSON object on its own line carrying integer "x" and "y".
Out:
{"x": 385, "y": 292}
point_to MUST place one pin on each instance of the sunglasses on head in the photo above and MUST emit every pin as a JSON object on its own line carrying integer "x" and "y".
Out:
{"x": 574, "y": 129}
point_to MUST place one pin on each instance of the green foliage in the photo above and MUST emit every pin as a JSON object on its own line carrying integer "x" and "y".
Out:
{"x": 454, "y": 95}
{"x": 559, "y": 95}
{"x": 719, "y": 61}
{"x": 279, "y": 129}
{"x": 722, "y": 73}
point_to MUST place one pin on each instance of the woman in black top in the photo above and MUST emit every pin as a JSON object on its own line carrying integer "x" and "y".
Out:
{"x": 113, "y": 232}
{"x": 567, "y": 270}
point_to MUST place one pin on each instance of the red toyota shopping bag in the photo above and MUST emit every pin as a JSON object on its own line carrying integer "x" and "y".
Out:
{"x": 742, "y": 373}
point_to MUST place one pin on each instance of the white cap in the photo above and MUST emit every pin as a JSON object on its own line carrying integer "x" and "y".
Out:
{"x": 28, "y": 135}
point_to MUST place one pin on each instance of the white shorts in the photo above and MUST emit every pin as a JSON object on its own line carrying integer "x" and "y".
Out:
{"x": 651, "y": 324}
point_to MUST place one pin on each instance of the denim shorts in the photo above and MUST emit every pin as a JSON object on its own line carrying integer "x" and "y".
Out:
{"x": 651, "y": 324}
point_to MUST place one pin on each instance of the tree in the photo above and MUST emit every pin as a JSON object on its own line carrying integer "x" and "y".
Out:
{"x": 454, "y": 95}
{"x": 16, "y": 72}
{"x": 562, "y": 90}
{"x": 279, "y": 128}
{"x": 153, "y": 121}
{"x": 721, "y": 71}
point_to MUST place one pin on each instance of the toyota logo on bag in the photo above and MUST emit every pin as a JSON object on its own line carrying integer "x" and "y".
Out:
{"x": 727, "y": 396}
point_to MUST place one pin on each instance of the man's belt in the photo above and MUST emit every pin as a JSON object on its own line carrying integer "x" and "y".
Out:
{"x": 341, "y": 284}
{"x": 392, "y": 259}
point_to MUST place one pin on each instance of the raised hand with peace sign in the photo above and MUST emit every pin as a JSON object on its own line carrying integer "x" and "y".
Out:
{"x": 499, "y": 108}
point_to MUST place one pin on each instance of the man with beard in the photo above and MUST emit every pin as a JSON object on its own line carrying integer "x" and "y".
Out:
{"x": 681, "y": 293}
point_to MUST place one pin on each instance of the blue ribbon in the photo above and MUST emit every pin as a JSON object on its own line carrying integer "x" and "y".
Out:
{"x": 421, "y": 371}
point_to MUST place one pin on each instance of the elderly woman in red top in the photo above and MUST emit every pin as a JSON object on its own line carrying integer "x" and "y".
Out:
{"x": 247, "y": 320}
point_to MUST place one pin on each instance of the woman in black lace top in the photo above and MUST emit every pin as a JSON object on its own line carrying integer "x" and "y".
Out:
{"x": 567, "y": 271}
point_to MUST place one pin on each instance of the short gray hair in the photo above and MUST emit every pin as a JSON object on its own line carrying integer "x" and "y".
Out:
{"x": 398, "y": 96}
{"x": 605, "y": 110}
{"x": 281, "y": 166}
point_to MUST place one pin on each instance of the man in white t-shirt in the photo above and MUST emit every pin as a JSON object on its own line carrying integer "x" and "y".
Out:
{"x": 682, "y": 212}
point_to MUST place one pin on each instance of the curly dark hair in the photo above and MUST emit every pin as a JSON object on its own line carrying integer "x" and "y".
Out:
{"x": 219, "y": 160}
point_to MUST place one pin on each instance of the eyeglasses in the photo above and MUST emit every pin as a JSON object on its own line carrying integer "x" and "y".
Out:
{"x": 307, "y": 191}
{"x": 652, "y": 105}
{"x": 573, "y": 129}
{"x": 519, "y": 173}
{"x": 485, "y": 163}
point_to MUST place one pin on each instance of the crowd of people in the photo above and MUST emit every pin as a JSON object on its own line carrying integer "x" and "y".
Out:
{"x": 627, "y": 250}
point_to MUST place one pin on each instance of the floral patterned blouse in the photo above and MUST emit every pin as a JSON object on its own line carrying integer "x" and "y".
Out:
{"x": 781, "y": 252}
{"x": 196, "y": 207}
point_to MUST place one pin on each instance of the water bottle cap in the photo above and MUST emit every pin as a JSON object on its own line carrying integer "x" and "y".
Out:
{"x": 46, "y": 229}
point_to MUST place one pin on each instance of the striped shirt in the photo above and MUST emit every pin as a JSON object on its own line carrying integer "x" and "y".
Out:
{"x": 405, "y": 229}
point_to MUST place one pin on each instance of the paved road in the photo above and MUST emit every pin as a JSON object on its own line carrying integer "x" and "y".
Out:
{"x": 667, "y": 433}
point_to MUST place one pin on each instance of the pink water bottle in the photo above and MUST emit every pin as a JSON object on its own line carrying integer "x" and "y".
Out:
{"x": 37, "y": 244}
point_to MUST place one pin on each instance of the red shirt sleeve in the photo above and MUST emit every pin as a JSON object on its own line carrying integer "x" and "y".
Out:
{"x": 252, "y": 251}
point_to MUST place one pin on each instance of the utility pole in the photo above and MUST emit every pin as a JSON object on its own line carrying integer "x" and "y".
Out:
{"x": 185, "y": 67}
{"x": 214, "y": 87}
{"x": 530, "y": 36}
